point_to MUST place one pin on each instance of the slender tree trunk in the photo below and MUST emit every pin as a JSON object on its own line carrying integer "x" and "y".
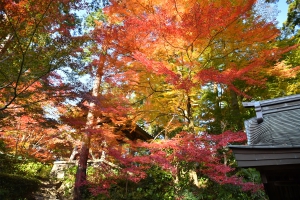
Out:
{"x": 190, "y": 115}
{"x": 217, "y": 128}
{"x": 80, "y": 178}
{"x": 236, "y": 113}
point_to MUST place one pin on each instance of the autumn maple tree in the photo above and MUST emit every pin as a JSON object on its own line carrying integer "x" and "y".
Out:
{"x": 173, "y": 49}
{"x": 36, "y": 38}
{"x": 178, "y": 68}
{"x": 164, "y": 54}
{"x": 29, "y": 135}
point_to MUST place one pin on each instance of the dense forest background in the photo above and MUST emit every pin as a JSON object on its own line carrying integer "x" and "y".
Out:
{"x": 78, "y": 78}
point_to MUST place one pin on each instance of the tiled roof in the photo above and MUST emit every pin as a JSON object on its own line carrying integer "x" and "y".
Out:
{"x": 281, "y": 128}
{"x": 277, "y": 122}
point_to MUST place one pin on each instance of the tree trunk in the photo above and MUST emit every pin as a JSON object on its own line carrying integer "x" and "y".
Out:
{"x": 217, "y": 127}
{"x": 80, "y": 179}
{"x": 236, "y": 113}
{"x": 189, "y": 115}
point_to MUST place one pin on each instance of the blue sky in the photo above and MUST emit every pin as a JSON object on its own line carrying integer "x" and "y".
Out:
{"x": 283, "y": 8}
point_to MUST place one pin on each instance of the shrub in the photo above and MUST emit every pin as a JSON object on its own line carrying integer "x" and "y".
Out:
{"x": 13, "y": 186}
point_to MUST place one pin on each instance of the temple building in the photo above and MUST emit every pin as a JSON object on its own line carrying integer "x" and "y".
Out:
{"x": 274, "y": 146}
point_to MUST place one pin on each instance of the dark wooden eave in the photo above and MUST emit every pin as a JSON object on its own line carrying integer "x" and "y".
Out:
{"x": 131, "y": 131}
{"x": 256, "y": 156}
{"x": 137, "y": 134}
{"x": 279, "y": 168}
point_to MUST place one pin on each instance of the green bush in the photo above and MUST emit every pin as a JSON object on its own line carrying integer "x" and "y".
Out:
{"x": 8, "y": 164}
{"x": 19, "y": 178}
{"x": 34, "y": 169}
{"x": 14, "y": 186}
{"x": 158, "y": 185}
